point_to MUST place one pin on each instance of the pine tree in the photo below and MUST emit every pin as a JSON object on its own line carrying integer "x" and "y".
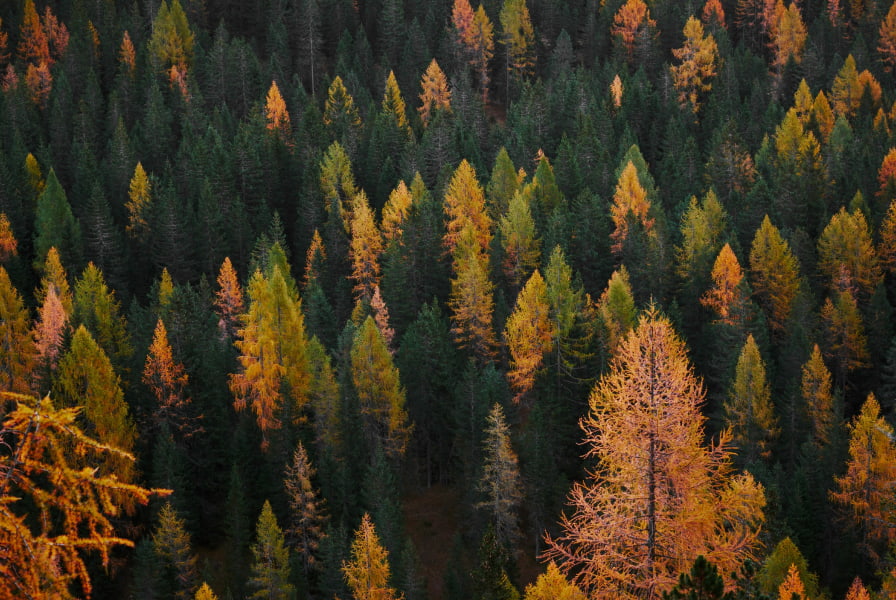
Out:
{"x": 307, "y": 517}
{"x": 775, "y": 274}
{"x": 529, "y": 334}
{"x": 270, "y": 571}
{"x": 657, "y": 498}
{"x": 749, "y": 411}
{"x": 367, "y": 573}
{"x": 380, "y": 393}
{"x": 173, "y": 548}
{"x": 47, "y": 523}
{"x": 699, "y": 57}
{"x": 500, "y": 482}
{"x": 865, "y": 490}
{"x": 17, "y": 351}
{"x": 435, "y": 95}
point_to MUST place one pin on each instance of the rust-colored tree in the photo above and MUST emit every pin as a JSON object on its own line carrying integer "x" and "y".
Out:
{"x": 657, "y": 498}
{"x": 49, "y": 331}
{"x": 727, "y": 296}
{"x": 792, "y": 587}
{"x": 435, "y": 95}
{"x": 228, "y": 299}
{"x": 866, "y": 489}
{"x": 8, "y": 244}
{"x": 365, "y": 249}
{"x": 630, "y": 203}
{"x": 276, "y": 115}
{"x": 167, "y": 380}
{"x": 54, "y": 511}
{"x": 632, "y": 25}
{"x": 306, "y": 509}
{"x": 788, "y": 35}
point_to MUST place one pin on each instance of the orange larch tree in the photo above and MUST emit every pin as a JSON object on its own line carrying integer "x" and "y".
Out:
{"x": 276, "y": 115}
{"x": 127, "y": 56}
{"x": 788, "y": 35}
{"x": 629, "y": 202}
{"x": 886, "y": 180}
{"x": 657, "y": 497}
{"x": 8, "y": 243}
{"x": 886, "y": 44}
{"x": 713, "y": 14}
{"x": 435, "y": 94}
{"x": 167, "y": 380}
{"x": 529, "y": 335}
{"x": 395, "y": 212}
{"x": 727, "y": 295}
{"x": 228, "y": 298}
{"x": 34, "y": 48}
{"x": 481, "y": 41}
{"x": 632, "y": 24}
{"x": 465, "y": 206}
{"x": 49, "y": 332}
{"x": 462, "y": 21}
{"x": 792, "y": 587}
{"x": 815, "y": 387}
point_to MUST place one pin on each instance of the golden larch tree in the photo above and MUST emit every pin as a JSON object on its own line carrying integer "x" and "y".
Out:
{"x": 17, "y": 352}
{"x": 393, "y": 104}
{"x": 866, "y": 489}
{"x": 49, "y": 333}
{"x": 749, "y": 411}
{"x": 552, "y": 585}
{"x": 845, "y": 246}
{"x": 529, "y": 335}
{"x": 481, "y": 42}
{"x": 699, "y": 59}
{"x": 54, "y": 276}
{"x": 340, "y": 111}
{"x": 788, "y": 35}
{"x": 465, "y": 207}
{"x": 522, "y": 249}
{"x": 815, "y": 387}
{"x": 434, "y": 94}
{"x": 886, "y": 43}
{"x": 774, "y": 274}
{"x": 886, "y": 249}
{"x": 52, "y": 510}
{"x": 629, "y": 202}
{"x": 139, "y": 204}
{"x": 657, "y": 497}
{"x": 365, "y": 249}
{"x": 395, "y": 212}
{"x": 472, "y": 301}
{"x": 276, "y": 115}
{"x": 518, "y": 38}
{"x": 127, "y": 56}
{"x": 631, "y": 23}
{"x": 228, "y": 299}
{"x": 616, "y": 308}
{"x": 167, "y": 380}
{"x": 846, "y": 90}
{"x": 792, "y": 586}
{"x": 846, "y": 344}
{"x": 727, "y": 296}
{"x": 857, "y": 591}
{"x": 8, "y": 244}
{"x": 462, "y": 20}
{"x": 367, "y": 573}
{"x": 713, "y": 14}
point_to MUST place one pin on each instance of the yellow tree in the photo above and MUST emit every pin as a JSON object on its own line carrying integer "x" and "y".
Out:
{"x": 139, "y": 204}
{"x": 629, "y": 203}
{"x": 846, "y": 91}
{"x": 529, "y": 334}
{"x": 522, "y": 249}
{"x": 775, "y": 274}
{"x": 699, "y": 59}
{"x": 788, "y": 35}
{"x": 815, "y": 387}
{"x": 749, "y": 411}
{"x": 53, "y": 511}
{"x": 471, "y": 301}
{"x": 395, "y": 211}
{"x": 518, "y": 38}
{"x": 55, "y": 277}
{"x": 887, "y": 247}
{"x": 552, "y": 585}
{"x": 866, "y": 489}
{"x": 845, "y": 341}
{"x": 379, "y": 391}
{"x": 393, "y": 104}
{"x": 435, "y": 95}
{"x": 616, "y": 308}
{"x": 276, "y": 115}
{"x": 366, "y": 247}
{"x": 845, "y": 246}
{"x": 481, "y": 42}
{"x": 17, "y": 350}
{"x": 340, "y": 113}
{"x": 792, "y": 586}
{"x": 886, "y": 44}
{"x": 657, "y": 497}
{"x": 727, "y": 296}
{"x": 465, "y": 206}
{"x": 367, "y": 573}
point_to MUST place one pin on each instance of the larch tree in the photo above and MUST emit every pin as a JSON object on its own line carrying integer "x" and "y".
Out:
{"x": 96, "y": 307}
{"x": 846, "y": 344}
{"x": 17, "y": 351}
{"x": 788, "y": 35}
{"x": 8, "y": 243}
{"x": 276, "y": 115}
{"x": 749, "y": 411}
{"x": 167, "y": 380}
{"x": 713, "y": 14}
{"x": 633, "y": 26}
{"x": 657, "y": 497}
{"x": 472, "y": 300}
{"x": 228, "y": 299}
{"x": 774, "y": 274}
{"x": 465, "y": 205}
{"x": 52, "y": 510}
{"x": 845, "y": 246}
{"x": 502, "y": 185}
{"x": 306, "y": 509}
{"x": 529, "y": 335}
{"x": 846, "y": 90}
{"x": 173, "y": 549}
{"x": 337, "y": 183}
{"x": 434, "y": 95}
{"x": 699, "y": 61}
{"x": 480, "y": 40}
{"x": 270, "y": 569}
{"x": 630, "y": 203}
{"x": 702, "y": 228}
{"x": 367, "y": 573}
{"x": 815, "y": 387}
{"x": 462, "y": 21}
{"x": 393, "y": 105}
{"x": 857, "y": 591}
{"x": 139, "y": 205}
{"x": 727, "y": 295}
{"x": 127, "y": 56}
{"x": 518, "y": 37}
{"x": 171, "y": 40}
{"x": 340, "y": 113}
{"x": 865, "y": 490}
{"x": 776, "y": 567}
{"x": 552, "y": 585}
{"x": 365, "y": 248}
{"x": 395, "y": 212}
{"x": 886, "y": 43}
{"x": 53, "y": 276}
{"x": 522, "y": 248}
{"x": 380, "y": 393}
{"x": 205, "y": 593}
{"x": 886, "y": 180}
{"x": 34, "y": 47}
{"x": 792, "y": 587}
{"x": 500, "y": 482}
{"x": 616, "y": 309}
{"x": 49, "y": 333}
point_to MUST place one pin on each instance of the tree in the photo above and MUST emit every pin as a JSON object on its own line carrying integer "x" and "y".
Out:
{"x": 273, "y": 356}
{"x": 139, "y": 204}
{"x": 277, "y": 116}
{"x": 306, "y": 510}
{"x": 518, "y": 38}
{"x": 775, "y": 274}
{"x": 749, "y": 410}
{"x": 337, "y": 183}
{"x": 171, "y": 42}
{"x": 775, "y": 570}
{"x": 702, "y": 582}
{"x": 816, "y": 391}
{"x": 630, "y": 203}
{"x": 845, "y": 247}
{"x": 49, "y": 523}
{"x": 857, "y": 591}
{"x": 55, "y": 225}
{"x": 49, "y": 331}
{"x": 788, "y": 35}
{"x": 552, "y": 585}
{"x": 845, "y": 341}
{"x": 172, "y": 546}
{"x": 616, "y": 307}
{"x": 522, "y": 249}
{"x": 17, "y": 351}
{"x": 205, "y": 593}
{"x": 270, "y": 571}
{"x": 395, "y": 212}
{"x": 367, "y": 573}
{"x": 34, "y": 47}
{"x": 465, "y": 205}
{"x": 366, "y": 248}
{"x": 471, "y": 301}
{"x": 8, "y": 244}
{"x": 529, "y": 334}
{"x": 727, "y": 297}
{"x": 228, "y": 299}
{"x": 866, "y": 489}
{"x": 632, "y": 26}
{"x": 379, "y": 390}
{"x": 435, "y": 95}
{"x": 96, "y": 307}
{"x": 55, "y": 277}
{"x": 502, "y": 185}
{"x": 167, "y": 380}
{"x": 702, "y": 228}
{"x": 340, "y": 112}
{"x": 500, "y": 481}
{"x": 792, "y": 586}
{"x": 657, "y": 498}
{"x": 886, "y": 44}
{"x": 699, "y": 58}
{"x": 393, "y": 105}
{"x": 480, "y": 41}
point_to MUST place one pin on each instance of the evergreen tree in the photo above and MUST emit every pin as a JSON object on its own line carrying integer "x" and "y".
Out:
{"x": 55, "y": 225}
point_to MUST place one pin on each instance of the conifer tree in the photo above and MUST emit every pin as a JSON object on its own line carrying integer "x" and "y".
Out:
{"x": 657, "y": 498}
{"x": 846, "y": 344}
{"x": 471, "y": 300}
{"x": 228, "y": 299}
{"x": 55, "y": 225}
{"x": 270, "y": 570}
{"x": 775, "y": 274}
{"x": 167, "y": 380}
{"x": 465, "y": 205}
{"x": 17, "y": 352}
{"x": 749, "y": 410}
{"x": 777, "y": 565}
{"x": 307, "y": 518}
{"x": 139, "y": 204}
{"x": 55, "y": 277}
{"x": 205, "y": 593}
{"x": 8, "y": 243}
{"x": 845, "y": 247}
{"x": 171, "y": 42}
{"x": 393, "y": 105}
{"x": 518, "y": 38}
{"x": 630, "y": 203}
{"x": 480, "y": 39}
{"x": 380, "y": 393}
{"x": 367, "y": 573}
{"x": 34, "y": 47}
{"x": 49, "y": 332}
{"x": 522, "y": 249}
{"x": 276, "y": 115}
{"x": 502, "y": 185}
{"x": 395, "y": 212}
{"x": 792, "y": 587}
{"x": 865, "y": 490}
{"x": 788, "y": 35}
{"x": 173, "y": 547}
{"x": 699, "y": 57}
{"x": 340, "y": 112}
{"x": 727, "y": 297}
{"x": 886, "y": 45}
{"x": 529, "y": 334}
{"x": 500, "y": 482}
{"x": 632, "y": 26}
{"x": 616, "y": 308}
{"x": 552, "y": 585}
{"x": 366, "y": 248}
{"x": 816, "y": 391}
{"x": 337, "y": 184}
{"x": 435, "y": 95}
{"x": 96, "y": 308}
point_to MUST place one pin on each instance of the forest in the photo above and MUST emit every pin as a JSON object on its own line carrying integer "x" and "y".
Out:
{"x": 432, "y": 300}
